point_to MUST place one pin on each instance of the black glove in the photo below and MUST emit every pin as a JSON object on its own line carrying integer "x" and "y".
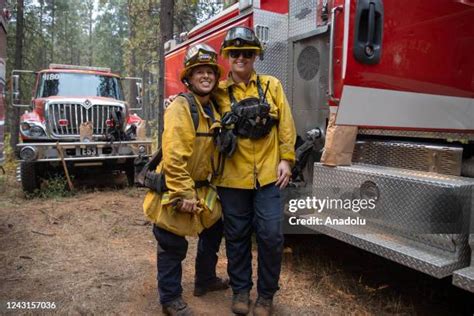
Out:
{"x": 226, "y": 142}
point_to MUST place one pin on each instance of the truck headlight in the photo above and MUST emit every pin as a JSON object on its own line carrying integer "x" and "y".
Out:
{"x": 37, "y": 131}
{"x": 25, "y": 126}
{"x": 31, "y": 129}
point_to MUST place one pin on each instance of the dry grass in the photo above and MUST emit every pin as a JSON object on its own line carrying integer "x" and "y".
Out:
{"x": 93, "y": 253}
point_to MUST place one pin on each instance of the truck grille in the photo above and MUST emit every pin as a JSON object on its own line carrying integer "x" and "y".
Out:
{"x": 76, "y": 114}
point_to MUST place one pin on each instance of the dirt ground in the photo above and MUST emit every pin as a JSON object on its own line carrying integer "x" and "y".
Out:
{"x": 94, "y": 253}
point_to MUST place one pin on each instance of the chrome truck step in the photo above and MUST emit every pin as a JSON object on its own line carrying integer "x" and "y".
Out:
{"x": 419, "y": 219}
{"x": 464, "y": 278}
{"x": 421, "y": 257}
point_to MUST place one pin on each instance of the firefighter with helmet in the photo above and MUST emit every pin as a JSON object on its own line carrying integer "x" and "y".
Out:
{"x": 258, "y": 143}
{"x": 184, "y": 203}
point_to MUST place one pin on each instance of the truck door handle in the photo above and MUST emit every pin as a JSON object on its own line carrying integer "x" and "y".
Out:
{"x": 368, "y": 31}
{"x": 331, "y": 50}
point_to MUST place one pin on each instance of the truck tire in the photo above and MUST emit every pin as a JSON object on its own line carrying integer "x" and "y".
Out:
{"x": 30, "y": 180}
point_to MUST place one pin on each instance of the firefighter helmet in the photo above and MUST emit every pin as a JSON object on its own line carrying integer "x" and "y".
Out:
{"x": 200, "y": 55}
{"x": 241, "y": 37}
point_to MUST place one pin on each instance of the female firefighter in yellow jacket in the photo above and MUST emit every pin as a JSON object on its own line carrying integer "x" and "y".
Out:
{"x": 188, "y": 204}
{"x": 256, "y": 114}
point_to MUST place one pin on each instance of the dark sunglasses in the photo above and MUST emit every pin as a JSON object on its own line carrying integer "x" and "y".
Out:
{"x": 235, "y": 53}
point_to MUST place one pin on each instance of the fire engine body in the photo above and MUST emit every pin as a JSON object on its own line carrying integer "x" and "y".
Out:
{"x": 3, "y": 65}
{"x": 52, "y": 131}
{"x": 402, "y": 73}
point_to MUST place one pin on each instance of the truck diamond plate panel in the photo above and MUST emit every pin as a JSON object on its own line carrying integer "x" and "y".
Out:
{"x": 414, "y": 156}
{"x": 464, "y": 278}
{"x": 410, "y": 206}
{"x": 276, "y": 50}
{"x": 302, "y": 17}
{"x": 417, "y": 256}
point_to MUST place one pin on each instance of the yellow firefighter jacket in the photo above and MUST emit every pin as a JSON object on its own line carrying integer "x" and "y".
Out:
{"x": 257, "y": 160}
{"x": 186, "y": 159}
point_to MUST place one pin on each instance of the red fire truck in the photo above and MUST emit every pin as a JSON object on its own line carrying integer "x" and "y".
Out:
{"x": 78, "y": 120}
{"x": 402, "y": 72}
{"x": 4, "y": 15}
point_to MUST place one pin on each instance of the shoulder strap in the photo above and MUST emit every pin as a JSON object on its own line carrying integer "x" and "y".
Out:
{"x": 259, "y": 88}
{"x": 233, "y": 101}
{"x": 215, "y": 105}
{"x": 194, "y": 113}
{"x": 193, "y": 108}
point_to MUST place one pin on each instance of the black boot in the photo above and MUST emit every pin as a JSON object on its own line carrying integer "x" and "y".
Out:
{"x": 217, "y": 285}
{"x": 177, "y": 307}
{"x": 241, "y": 303}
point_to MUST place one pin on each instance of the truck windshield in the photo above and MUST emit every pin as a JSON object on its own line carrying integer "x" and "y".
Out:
{"x": 79, "y": 85}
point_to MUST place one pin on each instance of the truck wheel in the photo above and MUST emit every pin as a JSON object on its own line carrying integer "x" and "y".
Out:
{"x": 30, "y": 180}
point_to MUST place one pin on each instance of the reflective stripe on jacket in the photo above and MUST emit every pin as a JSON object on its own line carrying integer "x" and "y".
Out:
{"x": 257, "y": 160}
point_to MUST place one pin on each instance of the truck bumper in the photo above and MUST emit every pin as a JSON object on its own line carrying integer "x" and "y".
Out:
{"x": 83, "y": 151}
{"x": 420, "y": 219}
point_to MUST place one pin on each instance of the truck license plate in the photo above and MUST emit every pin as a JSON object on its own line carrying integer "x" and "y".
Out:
{"x": 88, "y": 151}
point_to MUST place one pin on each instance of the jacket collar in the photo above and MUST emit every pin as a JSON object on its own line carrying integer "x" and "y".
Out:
{"x": 230, "y": 81}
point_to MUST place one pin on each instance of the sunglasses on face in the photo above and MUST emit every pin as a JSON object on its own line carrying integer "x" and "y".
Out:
{"x": 245, "y": 53}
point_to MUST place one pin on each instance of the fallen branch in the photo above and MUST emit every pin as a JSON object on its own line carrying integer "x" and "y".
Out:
{"x": 11, "y": 279}
{"x": 44, "y": 234}
{"x": 140, "y": 222}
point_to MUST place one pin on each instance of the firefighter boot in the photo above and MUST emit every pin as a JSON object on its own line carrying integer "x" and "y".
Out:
{"x": 217, "y": 285}
{"x": 263, "y": 307}
{"x": 177, "y": 307}
{"x": 241, "y": 303}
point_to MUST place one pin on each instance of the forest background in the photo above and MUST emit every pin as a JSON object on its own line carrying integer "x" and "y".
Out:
{"x": 121, "y": 34}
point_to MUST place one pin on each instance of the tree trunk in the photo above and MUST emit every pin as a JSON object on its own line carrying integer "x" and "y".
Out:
{"x": 42, "y": 52}
{"x": 53, "y": 11}
{"x": 166, "y": 32}
{"x": 15, "y": 112}
{"x": 133, "y": 59}
{"x": 90, "y": 7}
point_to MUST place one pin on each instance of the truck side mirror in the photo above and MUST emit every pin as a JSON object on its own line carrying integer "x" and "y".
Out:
{"x": 139, "y": 93}
{"x": 15, "y": 95}
{"x": 139, "y": 90}
{"x": 16, "y": 89}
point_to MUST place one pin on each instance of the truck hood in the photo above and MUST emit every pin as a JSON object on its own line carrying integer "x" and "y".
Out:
{"x": 92, "y": 100}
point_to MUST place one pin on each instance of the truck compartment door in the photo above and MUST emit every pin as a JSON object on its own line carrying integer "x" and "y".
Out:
{"x": 308, "y": 75}
{"x": 407, "y": 65}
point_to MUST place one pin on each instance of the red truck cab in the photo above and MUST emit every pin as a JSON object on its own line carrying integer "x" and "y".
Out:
{"x": 78, "y": 115}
